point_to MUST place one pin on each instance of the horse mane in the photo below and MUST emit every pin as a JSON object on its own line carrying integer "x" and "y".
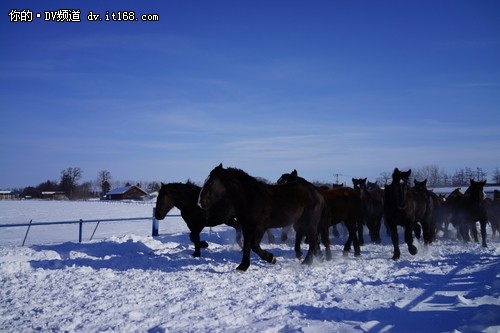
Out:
{"x": 191, "y": 184}
{"x": 181, "y": 187}
{"x": 240, "y": 178}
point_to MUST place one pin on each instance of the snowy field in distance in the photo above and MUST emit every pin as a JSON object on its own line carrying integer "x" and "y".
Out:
{"x": 124, "y": 280}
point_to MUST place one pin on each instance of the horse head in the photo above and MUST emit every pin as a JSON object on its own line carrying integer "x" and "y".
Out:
{"x": 359, "y": 184}
{"x": 165, "y": 201}
{"x": 420, "y": 186}
{"x": 213, "y": 189}
{"x": 288, "y": 177}
{"x": 400, "y": 185}
{"x": 476, "y": 191}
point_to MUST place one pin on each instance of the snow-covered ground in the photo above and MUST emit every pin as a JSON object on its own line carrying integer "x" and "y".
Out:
{"x": 124, "y": 280}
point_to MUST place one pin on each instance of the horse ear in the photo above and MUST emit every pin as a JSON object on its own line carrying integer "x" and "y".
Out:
{"x": 409, "y": 172}
{"x": 294, "y": 173}
{"x": 365, "y": 179}
{"x": 162, "y": 184}
{"x": 395, "y": 172}
{"x": 220, "y": 166}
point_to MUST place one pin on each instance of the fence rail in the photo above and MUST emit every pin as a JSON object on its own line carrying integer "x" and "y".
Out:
{"x": 154, "y": 232}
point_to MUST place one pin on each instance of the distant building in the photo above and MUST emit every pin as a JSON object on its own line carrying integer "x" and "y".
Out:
{"x": 9, "y": 195}
{"x": 54, "y": 195}
{"x": 127, "y": 193}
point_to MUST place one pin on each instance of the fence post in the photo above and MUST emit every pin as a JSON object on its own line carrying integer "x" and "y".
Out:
{"x": 155, "y": 223}
{"x": 80, "y": 232}
{"x": 24, "y": 240}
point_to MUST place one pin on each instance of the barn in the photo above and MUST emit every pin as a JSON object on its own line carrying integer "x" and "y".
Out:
{"x": 54, "y": 195}
{"x": 9, "y": 195}
{"x": 127, "y": 193}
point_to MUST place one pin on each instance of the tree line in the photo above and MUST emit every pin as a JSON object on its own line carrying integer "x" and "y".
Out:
{"x": 69, "y": 184}
{"x": 69, "y": 181}
{"x": 437, "y": 177}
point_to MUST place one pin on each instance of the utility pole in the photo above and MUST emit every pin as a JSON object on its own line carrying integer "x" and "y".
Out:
{"x": 336, "y": 175}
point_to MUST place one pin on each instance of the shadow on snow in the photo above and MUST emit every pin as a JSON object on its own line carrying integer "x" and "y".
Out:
{"x": 446, "y": 303}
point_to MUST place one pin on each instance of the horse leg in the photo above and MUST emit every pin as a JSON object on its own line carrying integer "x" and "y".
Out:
{"x": 418, "y": 231}
{"x": 474, "y": 232}
{"x": 247, "y": 246}
{"x": 357, "y": 242}
{"x": 428, "y": 229}
{"x": 395, "y": 240}
{"x": 347, "y": 245}
{"x": 194, "y": 236}
{"x": 352, "y": 239}
{"x": 373, "y": 224}
{"x": 409, "y": 241}
{"x": 326, "y": 242}
{"x": 265, "y": 255}
{"x": 298, "y": 240}
{"x": 313, "y": 248}
{"x": 483, "y": 231}
{"x": 464, "y": 231}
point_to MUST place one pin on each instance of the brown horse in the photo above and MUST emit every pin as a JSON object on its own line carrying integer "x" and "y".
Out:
{"x": 406, "y": 207}
{"x": 344, "y": 205}
{"x": 259, "y": 206}
{"x": 185, "y": 198}
{"x": 372, "y": 207}
{"x": 469, "y": 208}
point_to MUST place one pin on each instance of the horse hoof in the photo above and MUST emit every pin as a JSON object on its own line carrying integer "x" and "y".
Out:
{"x": 413, "y": 250}
{"x": 345, "y": 253}
{"x": 242, "y": 268}
{"x": 196, "y": 254}
{"x": 203, "y": 244}
{"x": 273, "y": 261}
{"x": 307, "y": 262}
{"x": 395, "y": 258}
{"x": 357, "y": 254}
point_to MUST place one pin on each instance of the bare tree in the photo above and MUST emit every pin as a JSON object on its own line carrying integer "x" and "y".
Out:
{"x": 459, "y": 178}
{"x": 103, "y": 180}
{"x": 384, "y": 178}
{"x": 69, "y": 180}
{"x": 430, "y": 172}
{"x": 495, "y": 177}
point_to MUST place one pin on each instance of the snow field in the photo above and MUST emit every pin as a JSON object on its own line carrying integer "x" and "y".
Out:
{"x": 132, "y": 282}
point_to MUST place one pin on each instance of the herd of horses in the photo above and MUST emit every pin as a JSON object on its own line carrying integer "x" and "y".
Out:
{"x": 233, "y": 197}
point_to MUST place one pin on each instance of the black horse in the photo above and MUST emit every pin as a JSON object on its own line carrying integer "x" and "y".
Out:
{"x": 406, "y": 207}
{"x": 469, "y": 208}
{"x": 185, "y": 198}
{"x": 343, "y": 205}
{"x": 372, "y": 207}
{"x": 259, "y": 206}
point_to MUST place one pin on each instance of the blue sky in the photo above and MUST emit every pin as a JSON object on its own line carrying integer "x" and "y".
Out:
{"x": 349, "y": 87}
